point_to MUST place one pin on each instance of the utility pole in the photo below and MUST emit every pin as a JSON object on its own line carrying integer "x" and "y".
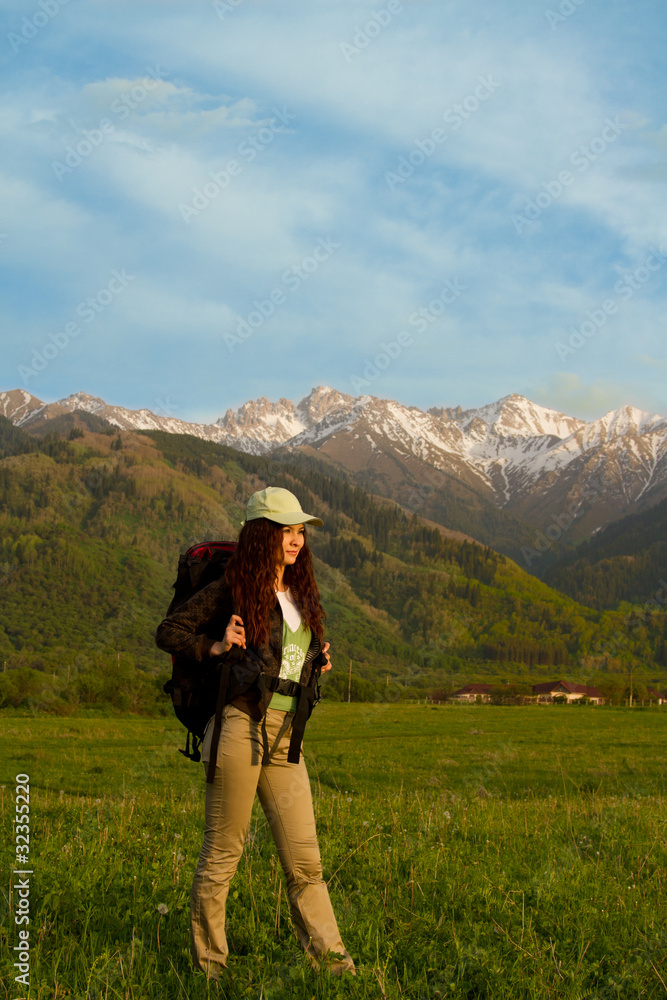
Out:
{"x": 631, "y": 670}
{"x": 349, "y": 684}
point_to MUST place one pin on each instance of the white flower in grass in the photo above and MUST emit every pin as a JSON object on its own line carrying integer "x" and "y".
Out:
{"x": 162, "y": 908}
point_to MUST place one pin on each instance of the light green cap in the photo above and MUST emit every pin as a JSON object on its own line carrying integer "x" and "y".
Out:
{"x": 278, "y": 505}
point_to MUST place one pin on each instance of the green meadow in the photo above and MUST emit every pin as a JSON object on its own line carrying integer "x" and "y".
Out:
{"x": 471, "y": 851}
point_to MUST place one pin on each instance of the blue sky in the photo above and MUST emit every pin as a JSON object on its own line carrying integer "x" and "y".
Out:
{"x": 205, "y": 202}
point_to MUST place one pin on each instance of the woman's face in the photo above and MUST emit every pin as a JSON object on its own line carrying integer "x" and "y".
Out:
{"x": 293, "y": 537}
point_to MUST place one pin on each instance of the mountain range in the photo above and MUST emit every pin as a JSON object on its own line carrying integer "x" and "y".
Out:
{"x": 521, "y": 477}
{"x": 92, "y": 520}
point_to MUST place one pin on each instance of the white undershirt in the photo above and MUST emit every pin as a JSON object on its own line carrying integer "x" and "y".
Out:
{"x": 291, "y": 612}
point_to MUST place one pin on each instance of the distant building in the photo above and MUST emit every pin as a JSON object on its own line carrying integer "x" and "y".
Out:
{"x": 659, "y": 697}
{"x": 471, "y": 692}
{"x": 566, "y": 689}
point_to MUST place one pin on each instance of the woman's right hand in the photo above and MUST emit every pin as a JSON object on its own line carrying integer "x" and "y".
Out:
{"x": 234, "y": 636}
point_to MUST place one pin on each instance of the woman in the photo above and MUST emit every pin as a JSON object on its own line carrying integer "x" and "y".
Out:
{"x": 268, "y": 598}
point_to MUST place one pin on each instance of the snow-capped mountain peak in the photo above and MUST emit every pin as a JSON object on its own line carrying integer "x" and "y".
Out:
{"x": 516, "y": 453}
{"x": 17, "y": 405}
{"x": 514, "y": 416}
{"x": 617, "y": 423}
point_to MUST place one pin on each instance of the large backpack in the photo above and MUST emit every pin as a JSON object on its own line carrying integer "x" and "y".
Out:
{"x": 194, "y": 688}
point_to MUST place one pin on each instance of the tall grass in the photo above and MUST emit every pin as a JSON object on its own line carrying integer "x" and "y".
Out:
{"x": 471, "y": 852}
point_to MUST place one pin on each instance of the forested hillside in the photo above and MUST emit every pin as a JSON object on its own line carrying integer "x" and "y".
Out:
{"x": 627, "y": 561}
{"x": 92, "y": 523}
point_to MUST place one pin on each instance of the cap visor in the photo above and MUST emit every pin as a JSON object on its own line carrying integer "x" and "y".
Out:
{"x": 295, "y": 517}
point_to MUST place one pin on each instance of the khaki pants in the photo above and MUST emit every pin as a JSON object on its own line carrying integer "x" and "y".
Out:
{"x": 284, "y": 793}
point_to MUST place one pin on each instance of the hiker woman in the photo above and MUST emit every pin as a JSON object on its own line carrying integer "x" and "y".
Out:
{"x": 265, "y": 610}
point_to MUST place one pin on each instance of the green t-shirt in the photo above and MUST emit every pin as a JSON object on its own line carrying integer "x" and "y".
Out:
{"x": 295, "y": 647}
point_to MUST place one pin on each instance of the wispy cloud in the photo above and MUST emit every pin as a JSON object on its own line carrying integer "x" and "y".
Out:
{"x": 186, "y": 94}
{"x": 645, "y": 359}
{"x": 567, "y": 392}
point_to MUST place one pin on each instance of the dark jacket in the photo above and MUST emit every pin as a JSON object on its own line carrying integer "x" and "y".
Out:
{"x": 196, "y": 625}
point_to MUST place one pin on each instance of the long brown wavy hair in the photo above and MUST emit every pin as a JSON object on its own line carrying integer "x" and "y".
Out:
{"x": 251, "y": 574}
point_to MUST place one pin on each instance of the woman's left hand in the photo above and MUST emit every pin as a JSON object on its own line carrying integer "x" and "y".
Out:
{"x": 325, "y": 653}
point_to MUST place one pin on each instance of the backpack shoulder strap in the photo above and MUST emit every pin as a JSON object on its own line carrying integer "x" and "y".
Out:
{"x": 217, "y": 725}
{"x": 225, "y": 673}
{"x": 307, "y": 699}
